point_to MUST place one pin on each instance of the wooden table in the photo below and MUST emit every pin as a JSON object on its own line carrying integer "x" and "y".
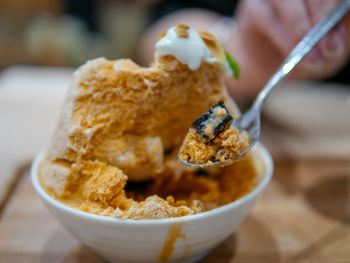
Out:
{"x": 303, "y": 216}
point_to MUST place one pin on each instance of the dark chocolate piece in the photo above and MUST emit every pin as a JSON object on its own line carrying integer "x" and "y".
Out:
{"x": 210, "y": 124}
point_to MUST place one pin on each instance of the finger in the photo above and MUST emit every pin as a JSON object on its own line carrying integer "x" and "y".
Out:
{"x": 294, "y": 16}
{"x": 313, "y": 61}
{"x": 319, "y": 8}
{"x": 332, "y": 45}
{"x": 297, "y": 21}
{"x": 330, "y": 66}
{"x": 262, "y": 15}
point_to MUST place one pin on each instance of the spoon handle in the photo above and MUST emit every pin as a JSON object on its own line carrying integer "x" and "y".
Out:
{"x": 303, "y": 48}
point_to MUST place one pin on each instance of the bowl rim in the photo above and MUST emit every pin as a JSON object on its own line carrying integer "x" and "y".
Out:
{"x": 266, "y": 158}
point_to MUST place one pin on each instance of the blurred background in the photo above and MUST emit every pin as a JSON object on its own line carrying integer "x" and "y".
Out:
{"x": 68, "y": 32}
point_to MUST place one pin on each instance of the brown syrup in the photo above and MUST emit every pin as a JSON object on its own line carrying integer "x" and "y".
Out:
{"x": 174, "y": 232}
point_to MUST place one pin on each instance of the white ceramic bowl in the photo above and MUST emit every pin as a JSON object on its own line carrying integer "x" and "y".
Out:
{"x": 186, "y": 238}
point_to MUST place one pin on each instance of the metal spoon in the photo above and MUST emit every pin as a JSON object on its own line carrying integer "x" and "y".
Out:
{"x": 250, "y": 121}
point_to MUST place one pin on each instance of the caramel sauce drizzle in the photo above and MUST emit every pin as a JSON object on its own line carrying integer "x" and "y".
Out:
{"x": 174, "y": 232}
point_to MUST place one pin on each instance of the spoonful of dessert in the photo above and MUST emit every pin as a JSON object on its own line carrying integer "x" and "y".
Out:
{"x": 216, "y": 139}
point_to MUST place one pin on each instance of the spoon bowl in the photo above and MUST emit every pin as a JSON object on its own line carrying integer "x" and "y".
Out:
{"x": 242, "y": 124}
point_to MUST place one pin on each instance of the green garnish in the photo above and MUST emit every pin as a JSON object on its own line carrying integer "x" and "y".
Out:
{"x": 233, "y": 65}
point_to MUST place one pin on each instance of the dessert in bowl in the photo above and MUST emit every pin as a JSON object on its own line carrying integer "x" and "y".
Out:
{"x": 111, "y": 173}
{"x": 186, "y": 238}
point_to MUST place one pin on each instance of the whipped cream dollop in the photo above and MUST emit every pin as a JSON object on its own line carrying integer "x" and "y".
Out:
{"x": 190, "y": 50}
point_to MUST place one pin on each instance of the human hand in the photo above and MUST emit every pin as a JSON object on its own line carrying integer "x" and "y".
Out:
{"x": 266, "y": 32}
